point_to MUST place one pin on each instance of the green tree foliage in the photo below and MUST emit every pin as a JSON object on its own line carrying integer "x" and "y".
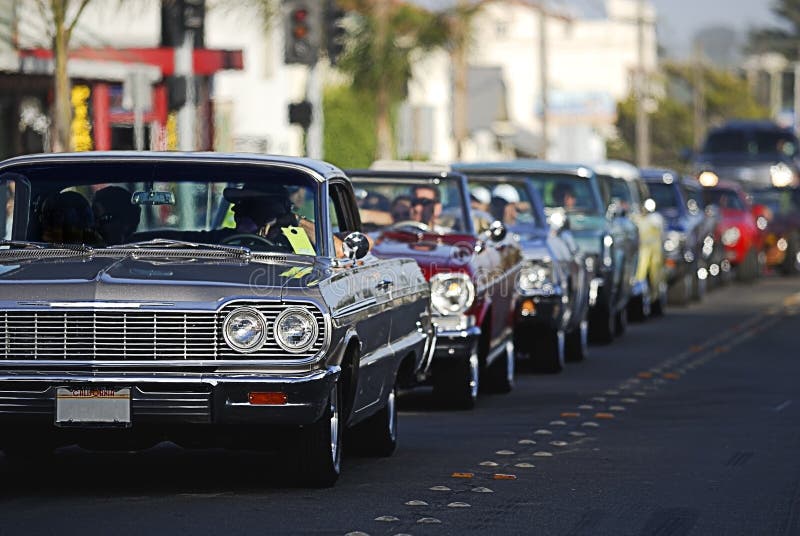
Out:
{"x": 671, "y": 125}
{"x": 385, "y": 37}
{"x": 784, "y": 38}
{"x": 349, "y": 137}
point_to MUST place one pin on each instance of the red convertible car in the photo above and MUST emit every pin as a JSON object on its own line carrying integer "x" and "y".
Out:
{"x": 471, "y": 264}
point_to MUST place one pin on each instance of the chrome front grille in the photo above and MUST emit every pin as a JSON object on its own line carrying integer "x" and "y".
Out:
{"x": 107, "y": 335}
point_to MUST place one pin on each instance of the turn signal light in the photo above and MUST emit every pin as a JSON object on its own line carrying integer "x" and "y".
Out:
{"x": 267, "y": 399}
{"x": 528, "y": 308}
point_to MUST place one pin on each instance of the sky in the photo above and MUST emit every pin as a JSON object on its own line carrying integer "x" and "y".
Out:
{"x": 679, "y": 20}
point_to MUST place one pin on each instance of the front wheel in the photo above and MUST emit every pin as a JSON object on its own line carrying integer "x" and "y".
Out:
{"x": 576, "y": 346}
{"x": 319, "y": 455}
{"x": 602, "y": 325}
{"x": 747, "y": 272}
{"x": 377, "y": 436}
{"x": 501, "y": 372}
{"x": 456, "y": 384}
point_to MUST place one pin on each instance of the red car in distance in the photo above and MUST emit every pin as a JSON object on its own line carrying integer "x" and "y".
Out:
{"x": 738, "y": 230}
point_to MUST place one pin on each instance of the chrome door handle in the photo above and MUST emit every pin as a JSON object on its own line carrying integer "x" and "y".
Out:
{"x": 384, "y": 285}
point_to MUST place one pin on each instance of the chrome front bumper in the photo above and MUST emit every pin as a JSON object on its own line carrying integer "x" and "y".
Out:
{"x": 175, "y": 397}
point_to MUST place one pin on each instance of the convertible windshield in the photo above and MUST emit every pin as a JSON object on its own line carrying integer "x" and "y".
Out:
{"x": 764, "y": 142}
{"x": 162, "y": 204}
{"x": 572, "y": 193}
{"x": 423, "y": 204}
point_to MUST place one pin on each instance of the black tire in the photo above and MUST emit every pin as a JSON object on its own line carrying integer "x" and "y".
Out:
{"x": 457, "y": 384}
{"x": 621, "y": 322}
{"x": 319, "y": 453}
{"x": 377, "y": 436}
{"x": 747, "y": 272}
{"x": 640, "y": 308}
{"x": 602, "y": 325}
{"x": 548, "y": 352}
{"x": 576, "y": 346}
{"x": 699, "y": 286}
{"x": 680, "y": 291}
{"x": 791, "y": 263}
{"x": 659, "y": 306}
{"x": 500, "y": 374}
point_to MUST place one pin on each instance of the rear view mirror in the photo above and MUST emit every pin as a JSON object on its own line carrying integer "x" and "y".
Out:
{"x": 153, "y": 198}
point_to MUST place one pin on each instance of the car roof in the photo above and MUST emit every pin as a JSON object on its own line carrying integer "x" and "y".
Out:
{"x": 525, "y": 165}
{"x": 665, "y": 175}
{"x": 320, "y": 170}
{"x": 618, "y": 169}
{"x": 750, "y": 124}
{"x": 399, "y": 174}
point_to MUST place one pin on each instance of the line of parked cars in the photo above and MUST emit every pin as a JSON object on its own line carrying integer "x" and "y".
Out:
{"x": 266, "y": 302}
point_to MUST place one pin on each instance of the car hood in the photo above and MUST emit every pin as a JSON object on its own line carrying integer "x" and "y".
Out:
{"x": 124, "y": 278}
{"x": 433, "y": 252}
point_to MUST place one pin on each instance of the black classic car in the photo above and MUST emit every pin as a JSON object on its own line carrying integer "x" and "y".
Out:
{"x": 206, "y": 299}
{"x": 571, "y": 197}
{"x": 754, "y": 153}
{"x": 551, "y": 316}
{"x": 472, "y": 266}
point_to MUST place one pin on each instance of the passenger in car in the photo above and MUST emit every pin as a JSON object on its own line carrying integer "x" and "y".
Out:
{"x": 66, "y": 218}
{"x": 116, "y": 218}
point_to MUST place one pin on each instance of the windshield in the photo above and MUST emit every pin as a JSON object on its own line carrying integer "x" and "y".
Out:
{"x": 761, "y": 142}
{"x": 614, "y": 188}
{"x": 724, "y": 199}
{"x": 508, "y": 202}
{"x": 570, "y": 192}
{"x": 427, "y": 204}
{"x": 666, "y": 196}
{"x": 103, "y": 205}
{"x": 779, "y": 201}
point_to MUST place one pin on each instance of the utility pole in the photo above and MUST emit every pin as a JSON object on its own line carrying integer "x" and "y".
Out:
{"x": 460, "y": 73}
{"x": 797, "y": 93}
{"x": 642, "y": 117}
{"x": 543, "y": 81}
{"x": 186, "y": 115}
{"x": 698, "y": 96}
{"x": 314, "y": 135}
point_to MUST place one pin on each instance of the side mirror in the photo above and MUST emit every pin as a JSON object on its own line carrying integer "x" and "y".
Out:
{"x": 497, "y": 231}
{"x": 558, "y": 220}
{"x": 355, "y": 245}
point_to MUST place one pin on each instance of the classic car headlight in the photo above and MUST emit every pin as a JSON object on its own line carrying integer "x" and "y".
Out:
{"x": 452, "y": 293}
{"x": 781, "y": 175}
{"x": 591, "y": 262}
{"x": 295, "y": 329}
{"x": 244, "y": 329}
{"x": 674, "y": 241}
{"x": 535, "y": 276}
{"x": 608, "y": 241}
{"x": 731, "y": 236}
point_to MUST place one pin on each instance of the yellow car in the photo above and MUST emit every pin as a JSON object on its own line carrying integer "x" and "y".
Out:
{"x": 628, "y": 200}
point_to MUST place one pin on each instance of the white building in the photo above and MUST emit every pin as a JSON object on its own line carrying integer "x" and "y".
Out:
{"x": 591, "y": 56}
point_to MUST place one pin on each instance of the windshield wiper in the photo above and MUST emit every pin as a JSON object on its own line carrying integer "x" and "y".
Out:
{"x": 171, "y": 243}
{"x": 24, "y": 244}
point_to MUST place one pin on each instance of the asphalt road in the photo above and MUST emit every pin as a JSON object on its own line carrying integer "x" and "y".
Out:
{"x": 689, "y": 424}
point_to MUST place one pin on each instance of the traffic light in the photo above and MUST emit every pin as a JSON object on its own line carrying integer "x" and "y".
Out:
{"x": 301, "y": 113}
{"x": 302, "y": 31}
{"x": 177, "y": 16}
{"x": 335, "y": 31}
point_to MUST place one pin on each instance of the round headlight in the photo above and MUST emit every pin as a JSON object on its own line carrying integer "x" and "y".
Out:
{"x": 534, "y": 276}
{"x": 295, "y": 329}
{"x": 731, "y": 236}
{"x": 781, "y": 175}
{"x": 452, "y": 293}
{"x": 244, "y": 329}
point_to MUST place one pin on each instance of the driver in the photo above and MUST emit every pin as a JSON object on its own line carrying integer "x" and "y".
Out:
{"x": 426, "y": 205}
{"x": 564, "y": 196}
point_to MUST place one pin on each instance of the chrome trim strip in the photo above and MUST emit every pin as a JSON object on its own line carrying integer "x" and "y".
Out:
{"x": 213, "y": 378}
{"x": 356, "y": 307}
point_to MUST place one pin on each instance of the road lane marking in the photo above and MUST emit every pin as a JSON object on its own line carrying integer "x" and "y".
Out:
{"x": 459, "y": 505}
{"x": 505, "y": 452}
{"x": 481, "y": 489}
{"x": 782, "y": 406}
{"x": 387, "y": 519}
{"x": 440, "y": 488}
{"x": 416, "y": 503}
{"x": 428, "y": 520}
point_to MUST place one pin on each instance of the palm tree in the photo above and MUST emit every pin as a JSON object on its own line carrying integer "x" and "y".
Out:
{"x": 384, "y": 40}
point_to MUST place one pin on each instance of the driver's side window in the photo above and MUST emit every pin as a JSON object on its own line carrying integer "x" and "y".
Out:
{"x": 333, "y": 211}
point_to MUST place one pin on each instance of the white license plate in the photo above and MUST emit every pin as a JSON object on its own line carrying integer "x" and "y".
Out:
{"x": 93, "y": 406}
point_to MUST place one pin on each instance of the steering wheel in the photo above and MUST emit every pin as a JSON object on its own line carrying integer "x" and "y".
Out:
{"x": 248, "y": 240}
{"x": 415, "y": 225}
